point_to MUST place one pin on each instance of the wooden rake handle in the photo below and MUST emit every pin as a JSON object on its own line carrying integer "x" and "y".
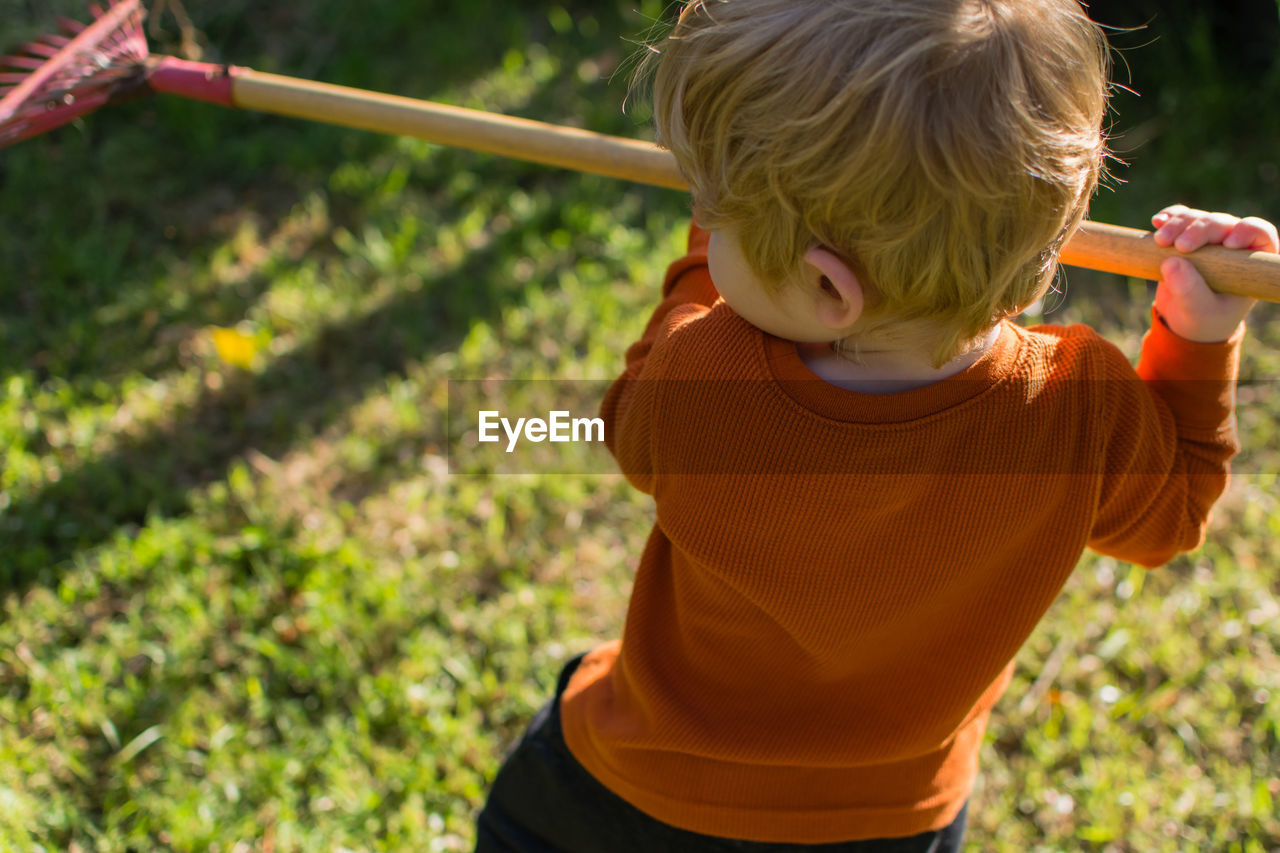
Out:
{"x": 1133, "y": 252}
{"x": 1110, "y": 248}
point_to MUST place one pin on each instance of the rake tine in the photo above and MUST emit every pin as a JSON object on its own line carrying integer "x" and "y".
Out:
{"x": 69, "y": 25}
{"x": 11, "y": 78}
{"x": 40, "y": 49}
{"x": 22, "y": 62}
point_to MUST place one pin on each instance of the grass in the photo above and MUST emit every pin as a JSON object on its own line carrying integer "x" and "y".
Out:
{"x": 247, "y": 603}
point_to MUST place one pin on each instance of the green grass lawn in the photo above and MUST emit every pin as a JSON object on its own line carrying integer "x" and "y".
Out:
{"x": 248, "y": 604}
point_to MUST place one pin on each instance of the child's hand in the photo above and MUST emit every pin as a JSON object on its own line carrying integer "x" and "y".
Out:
{"x": 1186, "y": 303}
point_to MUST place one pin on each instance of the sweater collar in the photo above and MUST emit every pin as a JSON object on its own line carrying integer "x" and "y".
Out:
{"x": 804, "y": 386}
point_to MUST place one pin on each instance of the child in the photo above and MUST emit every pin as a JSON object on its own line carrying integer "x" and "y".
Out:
{"x": 870, "y": 484}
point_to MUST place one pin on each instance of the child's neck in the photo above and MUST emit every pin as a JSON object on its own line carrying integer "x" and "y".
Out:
{"x": 888, "y": 370}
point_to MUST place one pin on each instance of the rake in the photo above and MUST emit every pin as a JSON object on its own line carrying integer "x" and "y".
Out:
{"x": 59, "y": 78}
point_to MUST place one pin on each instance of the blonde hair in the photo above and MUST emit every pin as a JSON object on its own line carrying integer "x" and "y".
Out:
{"x": 945, "y": 148}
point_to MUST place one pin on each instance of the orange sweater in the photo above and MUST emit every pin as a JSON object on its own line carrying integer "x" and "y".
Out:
{"x": 837, "y": 583}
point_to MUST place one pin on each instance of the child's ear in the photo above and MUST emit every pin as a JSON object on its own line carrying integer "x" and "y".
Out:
{"x": 839, "y": 296}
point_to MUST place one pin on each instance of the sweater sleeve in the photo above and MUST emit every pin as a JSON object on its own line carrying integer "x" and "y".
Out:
{"x": 629, "y": 404}
{"x": 1171, "y": 437}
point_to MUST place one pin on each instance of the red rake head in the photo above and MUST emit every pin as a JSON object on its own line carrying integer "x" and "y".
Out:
{"x": 59, "y": 78}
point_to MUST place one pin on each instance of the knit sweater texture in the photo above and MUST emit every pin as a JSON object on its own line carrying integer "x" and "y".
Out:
{"x": 837, "y": 583}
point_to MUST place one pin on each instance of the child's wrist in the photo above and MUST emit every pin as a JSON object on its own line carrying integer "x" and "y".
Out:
{"x": 1199, "y": 331}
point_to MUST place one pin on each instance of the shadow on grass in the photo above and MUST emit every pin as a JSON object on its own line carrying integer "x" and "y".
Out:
{"x": 297, "y": 395}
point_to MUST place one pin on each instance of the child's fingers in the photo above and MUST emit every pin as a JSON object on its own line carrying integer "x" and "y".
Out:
{"x": 1167, "y": 212}
{"x": 1185, "y": 280}
{"x": 1164, "y": 216}
{"x": 1171, "y": 222}
{"x": 1188, "y": 230}
{"x": 1205, "y": 229}
{"x": 1253, "y": 232}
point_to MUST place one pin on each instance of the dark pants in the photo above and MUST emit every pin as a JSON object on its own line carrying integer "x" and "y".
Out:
{"x": 544, "y": 800}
